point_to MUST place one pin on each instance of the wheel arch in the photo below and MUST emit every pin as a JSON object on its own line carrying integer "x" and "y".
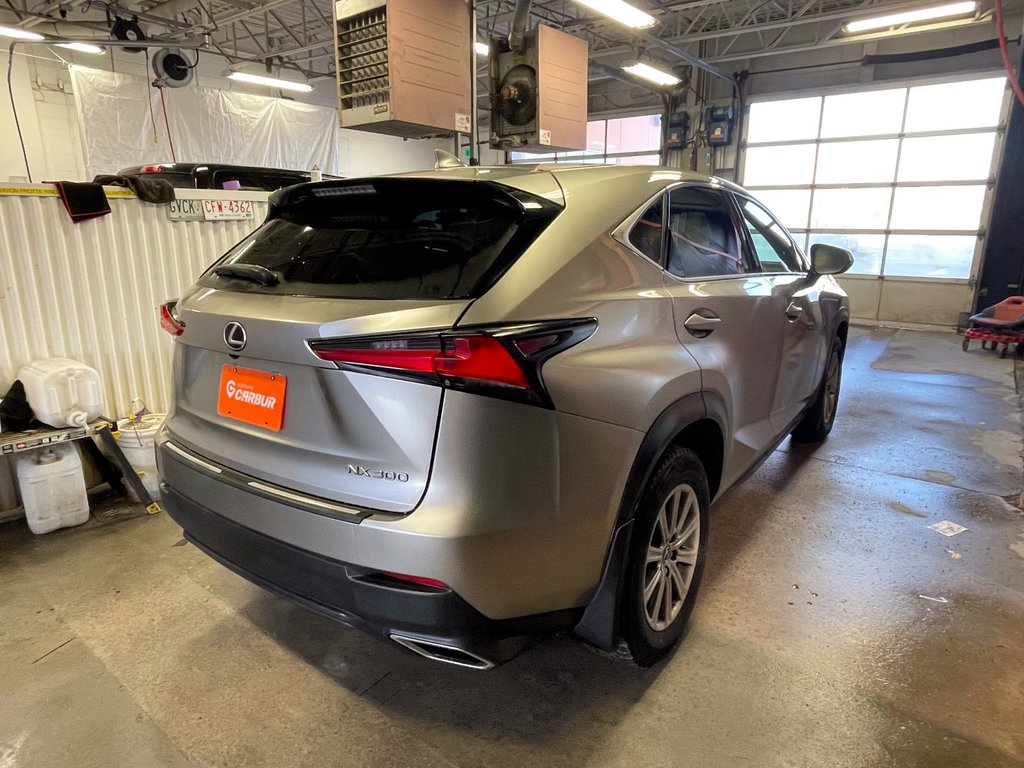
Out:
{"x": 698, "y": 421}
{"x": 843, "y": 331}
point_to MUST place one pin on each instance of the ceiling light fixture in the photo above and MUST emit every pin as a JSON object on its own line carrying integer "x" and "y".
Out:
{"x": 622, "y": 12}
{"x": 271, "y": 82}
{"x": 909, "y": 17}
{"x": 18, "y": 32}
{"x": 651, "y": 74}
{"x": 81, "y": 47}
{"x": 482, "y": 49}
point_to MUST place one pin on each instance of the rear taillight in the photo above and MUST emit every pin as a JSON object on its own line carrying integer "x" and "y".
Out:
{"x": 169, "y": 318}
{"x": 152, "y": 169}
{"x": 500, "y": 362}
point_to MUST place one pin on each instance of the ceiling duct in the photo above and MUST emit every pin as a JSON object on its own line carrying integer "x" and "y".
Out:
{"x": 402, "y": 66}
{"x": 520, "y": 21}
{"x": 538, "y": 94}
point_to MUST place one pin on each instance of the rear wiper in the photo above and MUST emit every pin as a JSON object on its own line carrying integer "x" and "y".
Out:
{"x": 253, "y": 272}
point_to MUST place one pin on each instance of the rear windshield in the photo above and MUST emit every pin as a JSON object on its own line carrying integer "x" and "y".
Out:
{"x": 388, "y": 239}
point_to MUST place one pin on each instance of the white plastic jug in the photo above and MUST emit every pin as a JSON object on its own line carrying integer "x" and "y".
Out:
{"x": 52, "y": 488}
{"x": 138, "y": 444}
{"x": 62, "y": 392}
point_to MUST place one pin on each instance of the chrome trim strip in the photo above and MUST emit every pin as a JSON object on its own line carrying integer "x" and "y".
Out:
{"x": 194, "y": 459}
{"x": 422, "y": 647}
{"x": 238, "y": 480}
{"x": 301, "y": 499}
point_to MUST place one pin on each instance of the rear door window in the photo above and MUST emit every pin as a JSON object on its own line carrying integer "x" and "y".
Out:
{"x": 389, "y": 239}
{"x": 702, "y": 239}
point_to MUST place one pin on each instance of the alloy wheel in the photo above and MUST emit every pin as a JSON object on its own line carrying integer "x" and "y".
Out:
{"x": 671, "y": 557}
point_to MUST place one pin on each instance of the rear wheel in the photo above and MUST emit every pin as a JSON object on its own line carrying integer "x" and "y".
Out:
{"x": 817, "y": 422}
{"x": 667, "y": 556}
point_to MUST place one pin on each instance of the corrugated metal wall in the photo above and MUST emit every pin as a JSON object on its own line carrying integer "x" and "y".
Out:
{"x": 90, "y": 291}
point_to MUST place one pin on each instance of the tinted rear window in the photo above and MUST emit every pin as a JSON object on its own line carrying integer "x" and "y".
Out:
{"x": 388, "y": 239}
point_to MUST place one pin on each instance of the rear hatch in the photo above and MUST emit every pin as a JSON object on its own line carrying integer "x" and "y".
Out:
{"x": 382, "y": 265}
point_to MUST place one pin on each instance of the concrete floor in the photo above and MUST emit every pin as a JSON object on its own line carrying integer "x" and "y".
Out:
{"x": 834, "y": 628}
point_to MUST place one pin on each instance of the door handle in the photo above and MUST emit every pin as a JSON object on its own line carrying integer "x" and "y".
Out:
{"x": 794, "y": 311}
{"x": 702, "y": 322}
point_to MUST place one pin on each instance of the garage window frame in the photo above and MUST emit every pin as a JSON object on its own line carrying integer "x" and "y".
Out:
{"x": 806, "y": 229}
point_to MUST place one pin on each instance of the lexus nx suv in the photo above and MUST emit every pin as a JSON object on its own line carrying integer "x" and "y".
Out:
{"x": 463, "y": 408}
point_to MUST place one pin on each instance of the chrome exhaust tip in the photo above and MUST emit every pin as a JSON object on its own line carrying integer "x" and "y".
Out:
{"x": 447, "y": 654}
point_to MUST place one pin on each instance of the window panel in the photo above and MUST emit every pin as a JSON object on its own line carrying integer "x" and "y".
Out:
{"x": 595, "y": 135}
{"x": 852, "y": 162}
{"x": 930, "y": 256}
{"x": 771, "y": 166}
{"x": 636, "y": 160}
{"x": 938, "y": 207}
{"x": 791, "y": 206}
{"x": 866, "y": 250}
{"x": 863, "y": 114}
{"x": 784, "y": 120}
{"x": 634, "y": 134}
{"x": 947, "y": 158}
{"x": 864, "y": 208}
{"x": 966, "y": 104}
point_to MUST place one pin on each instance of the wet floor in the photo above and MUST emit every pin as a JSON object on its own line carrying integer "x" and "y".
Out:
{"x": 834, "y": 627}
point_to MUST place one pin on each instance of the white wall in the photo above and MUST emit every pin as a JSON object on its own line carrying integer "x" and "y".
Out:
{"x": 46, "y": 110}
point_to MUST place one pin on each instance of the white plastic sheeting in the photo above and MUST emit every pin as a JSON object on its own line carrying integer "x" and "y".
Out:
{"x": 122, "y": 125}
{"x": 91, "y": 291}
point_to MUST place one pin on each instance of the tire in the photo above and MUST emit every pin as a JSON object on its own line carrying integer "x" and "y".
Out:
{"x": 817, "y": 422}
{"x": 667, "y": 554}
{"x": 965, "y": 344}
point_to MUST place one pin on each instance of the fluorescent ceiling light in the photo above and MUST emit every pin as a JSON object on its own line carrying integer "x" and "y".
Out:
{"x": 909, "y": 17}
{"x": 654, "y": 75}
{"x": 18, "y": 32}
{"x": 482, "y": 49}
{"x": 622, "y": 12}
{"x": 81, "y": 47}
{"x": 272, "y": 82}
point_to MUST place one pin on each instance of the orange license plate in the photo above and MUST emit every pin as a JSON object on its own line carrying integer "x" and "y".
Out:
{"x": 255, "y": 397}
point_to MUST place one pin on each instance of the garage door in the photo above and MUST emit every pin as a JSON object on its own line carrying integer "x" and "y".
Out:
{"x": 900, "y": 176}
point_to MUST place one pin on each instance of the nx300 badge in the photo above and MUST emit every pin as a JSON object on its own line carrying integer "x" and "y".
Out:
{"x": 378, "y": 474}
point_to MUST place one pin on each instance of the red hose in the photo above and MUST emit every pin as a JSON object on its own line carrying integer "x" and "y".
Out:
{"x": 167, "y": 124}
{"x": 1001, "y": 31}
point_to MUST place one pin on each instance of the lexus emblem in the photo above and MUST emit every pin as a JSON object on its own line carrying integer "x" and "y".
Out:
{"x": 234, "y": 336}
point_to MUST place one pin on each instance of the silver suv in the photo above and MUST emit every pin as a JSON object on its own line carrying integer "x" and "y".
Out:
{"x": 463, "y": 408}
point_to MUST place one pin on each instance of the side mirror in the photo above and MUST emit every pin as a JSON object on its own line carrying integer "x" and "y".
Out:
{"x": 830, "y": 259}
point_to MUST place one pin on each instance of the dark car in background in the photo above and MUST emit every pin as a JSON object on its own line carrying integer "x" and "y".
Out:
{"x": 216, "y": 175}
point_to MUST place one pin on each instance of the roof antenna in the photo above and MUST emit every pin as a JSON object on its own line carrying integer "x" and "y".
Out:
{"x": 443, "y": 160}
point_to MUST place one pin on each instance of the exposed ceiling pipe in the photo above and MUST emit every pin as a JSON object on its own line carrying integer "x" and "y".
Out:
{"x": 520, "y": 21}
{"x": 686, "y": 56}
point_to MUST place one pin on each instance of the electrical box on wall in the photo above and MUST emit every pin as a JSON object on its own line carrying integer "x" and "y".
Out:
{"x": 678, "y": 127}
{"x": 403, "y": 66}
{"x": 539, "y": 94}
{"x": 719, "y": 125}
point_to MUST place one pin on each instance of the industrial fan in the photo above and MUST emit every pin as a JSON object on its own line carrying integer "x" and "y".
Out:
{"x": 517, "y": 96}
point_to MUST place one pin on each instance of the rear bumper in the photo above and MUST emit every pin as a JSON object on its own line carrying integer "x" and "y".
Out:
{"x": 339, "y": 591}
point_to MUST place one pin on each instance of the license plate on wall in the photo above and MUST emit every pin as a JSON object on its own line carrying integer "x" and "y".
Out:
{"x": 185, "y": 210}
{"x": 217, "y": 210}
